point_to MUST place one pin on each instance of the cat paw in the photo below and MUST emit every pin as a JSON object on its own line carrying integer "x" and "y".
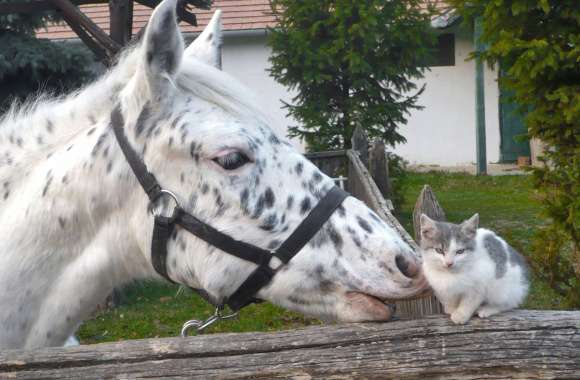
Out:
{"x": 449, "y": 310}
{"x": 485, "y": 312}
{"x": 459, "y": 318}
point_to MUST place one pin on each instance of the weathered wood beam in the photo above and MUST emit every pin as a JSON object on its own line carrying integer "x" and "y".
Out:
{"x": 182, "y": 13}
{"x": 523, "y": 344}
{"x": 378, "y": 167}
{"x": 360, "y": 144}
{"x": 100, "y": 53}
{"x": 38, "y": 6}
{"x": 121, "y": 21}
{"x": 74, "y": 16}
{"x": 426, "y": 204}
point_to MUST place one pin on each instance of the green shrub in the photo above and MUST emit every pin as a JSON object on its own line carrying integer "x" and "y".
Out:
{"x": 539, "y": 42}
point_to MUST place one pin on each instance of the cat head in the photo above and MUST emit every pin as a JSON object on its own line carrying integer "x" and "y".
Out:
{"x": 447, "y": 245}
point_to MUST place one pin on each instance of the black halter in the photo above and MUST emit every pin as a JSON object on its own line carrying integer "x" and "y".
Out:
{"x": 164, "y": 227}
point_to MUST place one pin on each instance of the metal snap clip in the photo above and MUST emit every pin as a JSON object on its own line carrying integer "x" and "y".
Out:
{"x": 200, "y": 325}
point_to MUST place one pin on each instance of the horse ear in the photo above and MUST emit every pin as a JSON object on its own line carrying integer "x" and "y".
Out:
{"x": 162, "y": 48}
{"x": 207, "y": 47}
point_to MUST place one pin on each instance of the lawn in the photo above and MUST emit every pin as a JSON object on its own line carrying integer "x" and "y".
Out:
{"x": 506, "y": 204}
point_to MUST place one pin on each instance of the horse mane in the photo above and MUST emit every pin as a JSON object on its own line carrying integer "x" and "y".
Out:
{"x": 219, "y": 88}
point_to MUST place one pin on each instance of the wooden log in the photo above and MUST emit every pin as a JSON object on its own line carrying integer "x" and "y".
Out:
{"x": 331, "y": 163}
{"x": 360, "y": 144}
{"x": 35, "y": 6}
{"x": 362, "y": 186}
{"x": 77, "y": 19}
{"x": 426, "y": 204}
{"x": 121, "y": 20}
{"x": 522, "y": 344}
{"x": 379, "y": 168}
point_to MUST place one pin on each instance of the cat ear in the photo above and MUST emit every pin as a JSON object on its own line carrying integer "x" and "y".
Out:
{"x": 162, "y": 49}
{"x": 469, "y": 227}
{"x": 428, "y": 226}
{"x": 207, "y": 47}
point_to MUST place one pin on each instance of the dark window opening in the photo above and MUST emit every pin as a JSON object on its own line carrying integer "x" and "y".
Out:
{"x": 444, "y": 51}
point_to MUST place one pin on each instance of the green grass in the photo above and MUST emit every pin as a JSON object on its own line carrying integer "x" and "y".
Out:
{"x": 506, "y": 204}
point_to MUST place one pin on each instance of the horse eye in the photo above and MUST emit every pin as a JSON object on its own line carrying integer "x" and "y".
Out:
{"x": 460, "y": 251}
{"x": 439, "y": 250}
{"x": 232, "y": 161}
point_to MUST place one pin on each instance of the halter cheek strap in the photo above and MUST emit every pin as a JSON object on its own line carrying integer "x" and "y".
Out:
{"x": 164, "y": 227}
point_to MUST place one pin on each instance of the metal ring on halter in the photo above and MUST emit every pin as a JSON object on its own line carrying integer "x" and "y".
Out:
{"x": 152, "y": 205}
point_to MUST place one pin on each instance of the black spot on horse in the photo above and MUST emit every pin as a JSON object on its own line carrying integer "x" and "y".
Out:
{"x": 204, "y": 188}
{"x": 364, "y": 224}
{"x": 142, "y": 118}
{"x": 269, "y": 197}
{"x": 47, "y": 184}
{"x": 259, "y": 209}
{"x": 244, "y": 199}
{"x": 270, "y": 223}
{"x": 61, "y": 221}
{"x": 289, "y": 202}
{"x": 299, "y": 168}
{"x": 274, "y": 244}
{"x": 91, "y": 131}
{"x": 305, "y": 205}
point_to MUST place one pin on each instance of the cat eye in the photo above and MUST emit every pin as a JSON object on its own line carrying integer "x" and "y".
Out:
{"x": 439, "y": 251}
{"x": 460, "y": 251}
{"x": 232, "y": 160}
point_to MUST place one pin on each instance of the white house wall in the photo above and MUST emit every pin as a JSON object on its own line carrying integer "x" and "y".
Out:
{"x": 246, "y": 58}
{"x": 443, "y": 133}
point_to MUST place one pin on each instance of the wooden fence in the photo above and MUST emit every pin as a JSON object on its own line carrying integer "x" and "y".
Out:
{"x": 516, "y": 345}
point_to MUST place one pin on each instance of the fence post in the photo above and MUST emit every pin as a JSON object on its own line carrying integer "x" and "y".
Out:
{"x": 360, "y": 144}
{"x": 379, "y": 168}
{"x": 426, "y": 204}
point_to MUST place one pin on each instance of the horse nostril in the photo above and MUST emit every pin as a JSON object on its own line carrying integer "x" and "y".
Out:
{"x": 407, "y": 268}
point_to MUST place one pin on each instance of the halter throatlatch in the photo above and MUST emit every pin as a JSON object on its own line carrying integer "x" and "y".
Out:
{"x": 164, "y": 227}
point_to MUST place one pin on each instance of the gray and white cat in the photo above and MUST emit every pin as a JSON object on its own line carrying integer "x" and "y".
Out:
{"x": 471, "y": 269}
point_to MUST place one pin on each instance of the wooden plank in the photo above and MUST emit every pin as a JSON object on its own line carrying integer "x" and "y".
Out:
{"x": 363, "y": 187}
{"x": 360, "y": 144}
{"x": 326, "y": 154}
{"x": 121, "y": 20}
{"x": 38, "y": 6}
{"x": 426, "y": 204}
{"x": 378, "y": 167}
{"x": 74, "y": 16}
{"x": 522, "y": 344}
{"x": 331, "y": 163}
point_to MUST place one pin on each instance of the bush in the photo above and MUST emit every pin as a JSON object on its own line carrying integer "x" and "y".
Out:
{"x": 539, "y": 42}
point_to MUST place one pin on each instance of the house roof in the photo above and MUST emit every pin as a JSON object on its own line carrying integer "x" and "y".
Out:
{"x": 236, "y": 15}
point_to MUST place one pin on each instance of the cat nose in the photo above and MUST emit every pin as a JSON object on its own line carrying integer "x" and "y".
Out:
{"x": 449, "y": 265}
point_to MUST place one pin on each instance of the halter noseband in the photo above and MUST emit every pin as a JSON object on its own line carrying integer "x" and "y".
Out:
{"x": 164, "y": 227}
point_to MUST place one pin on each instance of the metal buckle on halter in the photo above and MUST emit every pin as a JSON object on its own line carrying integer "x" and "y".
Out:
{"x": 154, "y": 208}
{"x": 200, "y": 325}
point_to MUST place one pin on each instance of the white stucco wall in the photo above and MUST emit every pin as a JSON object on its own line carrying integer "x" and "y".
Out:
{"x": 246, "y": 58}
{"x": 443, "y": 133}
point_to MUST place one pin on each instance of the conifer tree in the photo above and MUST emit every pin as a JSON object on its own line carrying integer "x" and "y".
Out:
{"x": 350, "y": 63}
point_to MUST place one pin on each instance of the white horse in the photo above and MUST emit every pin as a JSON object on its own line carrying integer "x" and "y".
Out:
{"x": 74, "y": 220}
